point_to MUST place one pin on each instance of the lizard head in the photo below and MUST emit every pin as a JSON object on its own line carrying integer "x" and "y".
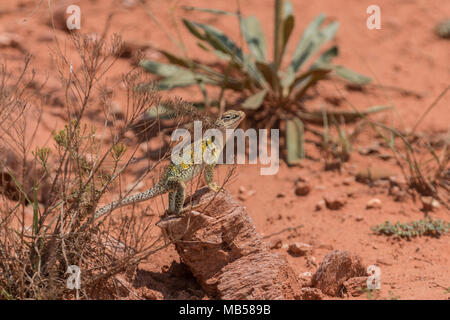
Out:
{"x": 230, "y": 119}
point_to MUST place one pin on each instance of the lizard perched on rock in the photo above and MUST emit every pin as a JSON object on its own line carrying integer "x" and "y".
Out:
{"x": 174, "y": 177}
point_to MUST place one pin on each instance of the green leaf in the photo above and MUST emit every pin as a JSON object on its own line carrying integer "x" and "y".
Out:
{"x": 216, "y": 38}
{"x": 175, "y": 76}
{"x": 174, "y": 59}
{"x": 219, "y": 41}
{"x": 232, "y": 83}
{"x": 325, "y": 58}
{"x": 184, "y": 78}
{"x": 351, "y": 76}
{"x": 295, "y": 141}
{"x": 207, "y": 10}
{"x": 254, "y": 101}
{"x": 159, "y": 68}
{"x": 218, "y": 53}
{"x": 268, "y": 72}
{"x": 313, "y": 77}
{"x": 307, "y": 76}
{"x": 254, "y": 35}
{"x": 191, "y": 26}
{"x": 313, "y": 38}
{"x": 310, "y": 31}
{"x": 288, "y": 9}
{"x": 287, "y": 24}
{"x": 253, "y": 73}
{"x": 324, "y": 61}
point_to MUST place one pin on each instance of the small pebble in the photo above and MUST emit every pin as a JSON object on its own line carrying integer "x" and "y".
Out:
{"x": 320, "y": 205}
{"x": 302, "y": 189}
{"x": 374, "y": 203}
{"x": 429, "y": 203}
{"x": 300, "y": 249}
{"x": 335, "y": 200}
{"x": 276, "y": 243}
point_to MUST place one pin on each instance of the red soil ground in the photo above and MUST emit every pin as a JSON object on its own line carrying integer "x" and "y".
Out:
{"x": 405, "y": 53}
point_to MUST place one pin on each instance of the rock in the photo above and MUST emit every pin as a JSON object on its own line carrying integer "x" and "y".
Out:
{"x": 335, "y": 200}
{"x": 442, "y": 29}
{"x": 402, "y": 196}
{"x": 370, "y": 174}
{"x": 308, "y": 293}
{"x": 150, "y": 294}
{"x": 302, "y": 189}
{"x": 219, "y": 244}
{"x": 300, "y": 249}
{"x": 373, "y": 149}
{"x": 399, "y": 195}
{"x": 347, "y": 181}
{"x": 429, "y": 203}
{"x": 242, "y": 189}
{"x": 374, "y": 203}
{"x": 281, "y": 195}
{"x": 355, "y": 286}
{"x": 10, "y": 40}
{"x": 385, "y": 156}
{"x": 311, "y": 261}
{"x": 320, "y": 205}
{"x": 305, "y": 279}
{"x": 336, "y": 268}
{"x": 276, "y": 243}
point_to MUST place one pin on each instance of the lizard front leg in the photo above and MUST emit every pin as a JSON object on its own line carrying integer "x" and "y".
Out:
{"x": 178, "y": 195}
{"x": 172, "y": 196}
{"x": 209, "y": 176}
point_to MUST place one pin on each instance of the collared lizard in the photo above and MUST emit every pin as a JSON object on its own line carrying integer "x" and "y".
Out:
{"x": 176, "y": 175}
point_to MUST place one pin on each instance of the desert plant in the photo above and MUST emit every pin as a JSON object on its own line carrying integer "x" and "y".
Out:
{"x": 423, "y": 227}
{"x": 273, "y": 93}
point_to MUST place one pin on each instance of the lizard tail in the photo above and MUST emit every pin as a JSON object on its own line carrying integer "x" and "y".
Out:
{"x": 139, "y": 197}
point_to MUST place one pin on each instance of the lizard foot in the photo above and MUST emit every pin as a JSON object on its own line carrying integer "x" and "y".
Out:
{"x": 190, "y": 208}
{"x": 215, "y": 187}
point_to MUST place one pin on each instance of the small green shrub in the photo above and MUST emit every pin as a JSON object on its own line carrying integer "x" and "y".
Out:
{"x": 423, "y": 227}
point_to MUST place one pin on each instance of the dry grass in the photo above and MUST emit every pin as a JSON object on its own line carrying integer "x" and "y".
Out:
{"x": 60, "y": 186}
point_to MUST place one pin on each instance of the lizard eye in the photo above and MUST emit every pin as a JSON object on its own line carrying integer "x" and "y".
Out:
{"x": 229, "y": 116}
